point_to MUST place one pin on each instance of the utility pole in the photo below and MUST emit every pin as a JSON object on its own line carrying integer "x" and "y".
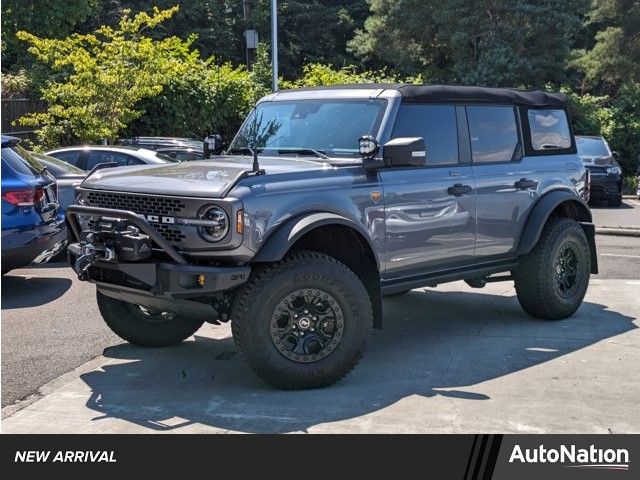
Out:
{"x": 250, "y": 35}
{"x": 274, "y": 43}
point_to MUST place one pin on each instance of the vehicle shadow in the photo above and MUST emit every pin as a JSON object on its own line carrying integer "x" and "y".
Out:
{"x": 25, "y": 292}
{"x": 603, "y": 205}
{"x": 433, "y": 343}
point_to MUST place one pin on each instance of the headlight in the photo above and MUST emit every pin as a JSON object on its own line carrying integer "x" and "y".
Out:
{"x": 214, "y": 224}
{"x": 614, "y": 171}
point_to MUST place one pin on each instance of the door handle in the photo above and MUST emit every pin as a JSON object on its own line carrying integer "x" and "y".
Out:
{"x": 525, "y": 183}
{"x": 458, "y": 190}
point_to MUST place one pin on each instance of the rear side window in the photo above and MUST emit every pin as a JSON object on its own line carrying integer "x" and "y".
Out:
{"x": 97, "y": 157}
{"x": 18, "y": 160}
{"x": 549, "y": 129}
{"x": 494, "y": 134}
{"x": 72, "y": 157}
{"x": 436, "y": 124}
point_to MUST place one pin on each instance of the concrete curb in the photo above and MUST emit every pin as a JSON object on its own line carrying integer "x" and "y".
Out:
{"x": 619, "y": 231}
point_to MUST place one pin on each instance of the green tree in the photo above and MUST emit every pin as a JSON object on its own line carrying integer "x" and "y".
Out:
{"x": 102, "y": 76}
{"x": 484, "y": 42}
{"x": 614, "y": 56}
{"x": 52, "y": 19}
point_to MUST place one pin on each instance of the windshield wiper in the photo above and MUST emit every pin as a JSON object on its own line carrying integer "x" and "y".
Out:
{"x": 241, "y": 150}
{"x": 304, "y": 151}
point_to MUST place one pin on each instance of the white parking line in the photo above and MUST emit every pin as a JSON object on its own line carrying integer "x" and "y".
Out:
{"x": 618, "y": 255}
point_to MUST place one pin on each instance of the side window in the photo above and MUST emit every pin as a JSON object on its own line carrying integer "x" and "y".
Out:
{"x": 102, "y": 156}
{"x": 494, "y": 134}
{"x": 549, "y": 129}
{"x": 436, "y": 124}
{"x": 72, "y": 157}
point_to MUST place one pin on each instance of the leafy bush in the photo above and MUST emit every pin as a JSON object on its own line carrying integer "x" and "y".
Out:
{"x": 102, "y": 76}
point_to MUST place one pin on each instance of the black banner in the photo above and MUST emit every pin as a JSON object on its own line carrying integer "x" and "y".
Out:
{"x": 465, "y": 457}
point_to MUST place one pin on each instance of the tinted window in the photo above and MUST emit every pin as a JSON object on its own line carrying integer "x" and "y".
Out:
{"x": 18, "y": 160}
{"x": 436, "y": 124}
{"x": 494, "y": 134}
{"x": 549, "y": 129}
{"x": 97, "y": 157}
{"x": 592, "y": 147}
{"x": 72, "y": 157}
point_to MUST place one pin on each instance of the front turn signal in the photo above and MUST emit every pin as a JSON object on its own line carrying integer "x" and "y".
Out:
{"x": 240, "y": 222}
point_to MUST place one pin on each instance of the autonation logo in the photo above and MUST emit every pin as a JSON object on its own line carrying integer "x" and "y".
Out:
{"x": 574, "y": 457}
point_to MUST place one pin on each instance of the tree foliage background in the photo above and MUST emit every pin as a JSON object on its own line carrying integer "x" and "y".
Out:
{"x": 588, "y": 48}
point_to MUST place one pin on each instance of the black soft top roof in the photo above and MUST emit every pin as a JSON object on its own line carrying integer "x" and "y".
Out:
{"x": 463, "y": 94}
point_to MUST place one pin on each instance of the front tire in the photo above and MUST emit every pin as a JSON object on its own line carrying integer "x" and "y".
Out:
{"x": 143, "y": 326}
{"x": 552, "y": 280}
{"x": 303, "y": 322}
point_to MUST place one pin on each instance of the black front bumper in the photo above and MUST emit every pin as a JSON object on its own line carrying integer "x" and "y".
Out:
{"x": 176, "y": 285}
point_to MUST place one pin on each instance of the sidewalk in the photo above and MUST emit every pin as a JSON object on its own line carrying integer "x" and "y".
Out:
{"x": 622, "y": 221}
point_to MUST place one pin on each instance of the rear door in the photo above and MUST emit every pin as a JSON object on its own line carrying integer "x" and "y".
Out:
{"x": 429, "y": 210}
{"x": 506, "y": 187}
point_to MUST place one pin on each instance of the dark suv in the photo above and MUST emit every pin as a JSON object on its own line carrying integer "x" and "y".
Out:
{"x": 329, "y": 199}
{"x": 604, "y": 170}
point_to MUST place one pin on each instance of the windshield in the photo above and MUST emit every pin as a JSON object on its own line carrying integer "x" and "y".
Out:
{"x": 592, "y": 147}
{"x": 329, "y": 127}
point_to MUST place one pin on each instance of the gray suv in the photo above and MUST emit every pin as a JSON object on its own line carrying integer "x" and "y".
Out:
{"x": 329, "y": 199}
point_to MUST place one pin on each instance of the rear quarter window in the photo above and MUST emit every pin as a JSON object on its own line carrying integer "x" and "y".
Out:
{"x": 549, "y": 129}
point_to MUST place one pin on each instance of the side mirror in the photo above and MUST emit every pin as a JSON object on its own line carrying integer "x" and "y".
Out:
{"x": 405, "y": 151}
{"x": 212, "y": 145}
{"x": 615, "y": 155}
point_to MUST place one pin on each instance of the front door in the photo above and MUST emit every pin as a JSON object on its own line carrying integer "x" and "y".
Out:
{"x": 430, "y": 215}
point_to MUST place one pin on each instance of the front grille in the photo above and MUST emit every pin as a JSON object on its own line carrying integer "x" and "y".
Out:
{"x": 147, "y": 205}
{"x": 144, "y": 205}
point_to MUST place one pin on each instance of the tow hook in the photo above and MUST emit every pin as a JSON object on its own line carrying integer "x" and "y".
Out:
{"x": 87, "y": 254}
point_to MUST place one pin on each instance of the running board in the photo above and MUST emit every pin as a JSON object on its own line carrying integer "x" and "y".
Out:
{"x": 397, "y": 285}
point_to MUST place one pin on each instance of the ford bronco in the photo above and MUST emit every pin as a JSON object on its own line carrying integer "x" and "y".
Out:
{"x": 329, "y": 199}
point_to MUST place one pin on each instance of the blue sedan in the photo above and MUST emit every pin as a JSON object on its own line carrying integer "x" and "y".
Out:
{"x": 33, "y": 224}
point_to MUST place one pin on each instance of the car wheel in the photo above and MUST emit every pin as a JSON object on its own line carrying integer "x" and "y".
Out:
{"x": 145, "y": 327}
{"x": 615, "y": 201}
{"x": 303, "y": 322}
{"x": 552, "y": 280}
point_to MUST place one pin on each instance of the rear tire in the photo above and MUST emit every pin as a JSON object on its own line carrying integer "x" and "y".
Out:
{"x": 552, "y": 280}
{"x": 615, "y": 201}
{"x": 303, "y": 322}
{"x": 145, "y": 327}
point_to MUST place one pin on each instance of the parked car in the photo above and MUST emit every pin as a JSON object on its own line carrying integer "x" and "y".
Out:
{"x": 67, "y": 176}
{"x": 329, "y": 199}
{"x": 182, "y": 154}
{"x": 155, "y": 143}
{"x": 604, "y": 170}
{"x": 88, "y": 156}
{"x": 33, "y": 225}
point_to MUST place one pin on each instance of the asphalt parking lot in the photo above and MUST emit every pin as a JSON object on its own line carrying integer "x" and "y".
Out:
{"x": 451, "y": 359}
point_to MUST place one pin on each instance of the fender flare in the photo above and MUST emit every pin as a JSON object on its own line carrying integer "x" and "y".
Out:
{"x": 542, "y": 211}
{"x": 286, "y": 235}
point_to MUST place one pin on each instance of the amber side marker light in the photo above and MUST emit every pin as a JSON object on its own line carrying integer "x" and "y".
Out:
{"x": 240, "y": 222}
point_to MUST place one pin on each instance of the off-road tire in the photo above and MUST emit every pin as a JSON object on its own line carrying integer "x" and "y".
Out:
{"x": 615, "y": 201}
{"x": 123, "y": 321}
{"x": 255, "y": 305}
{"x": 535, "y": 278}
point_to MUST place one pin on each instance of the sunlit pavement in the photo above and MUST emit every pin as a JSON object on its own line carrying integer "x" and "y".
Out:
{"x": 451, "y": 359}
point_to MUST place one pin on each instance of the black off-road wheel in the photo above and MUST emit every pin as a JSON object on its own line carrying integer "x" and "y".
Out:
{"x": 143, "y": 326}
{"x": 552, "y": 280}
{"x": 303, "y": 322}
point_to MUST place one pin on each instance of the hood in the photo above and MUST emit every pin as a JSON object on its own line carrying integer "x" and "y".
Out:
{"x": 203, "y": 178}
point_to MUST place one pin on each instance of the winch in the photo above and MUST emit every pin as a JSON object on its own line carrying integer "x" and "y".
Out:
{"x": 110, "y": 240}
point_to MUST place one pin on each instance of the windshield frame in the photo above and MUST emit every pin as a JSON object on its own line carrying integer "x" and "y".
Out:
{"x": 332, "y": 155}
